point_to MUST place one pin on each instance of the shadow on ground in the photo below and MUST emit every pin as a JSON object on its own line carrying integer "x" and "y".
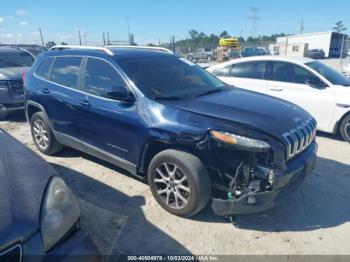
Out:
{"x": 322, "y": 201}
{"x": 115, "y": 220}
{"x": 17, "y": 117}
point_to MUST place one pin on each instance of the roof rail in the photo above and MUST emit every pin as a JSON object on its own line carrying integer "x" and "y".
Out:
{"x": 157, "y": 48}
{"x": 97, "y": 48}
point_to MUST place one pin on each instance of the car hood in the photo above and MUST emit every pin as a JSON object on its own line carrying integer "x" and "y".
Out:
{"x": 24, "y": 177}
{"x": 12, "y": 73}
{"x": 267, "y": 114}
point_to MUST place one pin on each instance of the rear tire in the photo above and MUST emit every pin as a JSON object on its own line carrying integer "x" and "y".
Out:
{"x": 42, "y": 135}
{"x": 179, "y": 182}
{"x": 345, "y": 128}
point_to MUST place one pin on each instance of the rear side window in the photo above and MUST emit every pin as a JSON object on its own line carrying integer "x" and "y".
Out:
{"x": 254, "y": 70}
{"x": 43, "y": 69}
{"x": 100, "y": 77}
{"x": 66, "y": 70}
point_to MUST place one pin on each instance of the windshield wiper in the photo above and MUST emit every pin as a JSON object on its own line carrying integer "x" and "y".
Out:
{"x": 167, "y": 98}
{"x": 210, "y": 92}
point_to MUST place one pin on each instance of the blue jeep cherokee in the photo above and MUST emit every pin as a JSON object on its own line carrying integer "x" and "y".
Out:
{"x": 167, "y": 120}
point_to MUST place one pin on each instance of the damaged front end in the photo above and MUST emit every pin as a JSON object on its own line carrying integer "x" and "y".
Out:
{"x": 250, "y": 175}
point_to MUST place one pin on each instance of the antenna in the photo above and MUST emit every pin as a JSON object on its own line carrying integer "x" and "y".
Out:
{"x": 254, "y": 17}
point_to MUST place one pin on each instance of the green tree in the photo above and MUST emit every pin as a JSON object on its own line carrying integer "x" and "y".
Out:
{"x": 193, "y": 33}
{"x": 339, "y": 27}
{"x": 224, "y": 34}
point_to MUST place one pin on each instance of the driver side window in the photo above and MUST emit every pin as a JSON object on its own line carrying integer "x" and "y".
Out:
{"x": 290, "y": 73}
{"x": 99, "y": 77}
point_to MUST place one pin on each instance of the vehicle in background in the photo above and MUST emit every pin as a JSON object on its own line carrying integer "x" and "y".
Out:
{"x": 39, "y": 215}
{"x": 14, "y": 63}
{"x": 165, "y": 119}
{"x": 202, "y": 55}
{"x": 35, "y": 50}
{"x": 254, "y": 51}
{"x": 316, "y": 54}
{"x": 319, "y": 89}
{"x": 346, "y": 67}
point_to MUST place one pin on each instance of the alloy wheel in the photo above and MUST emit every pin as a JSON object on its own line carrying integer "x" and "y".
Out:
{"x": 41, "y": 134}
{"x": 172, "y": 185}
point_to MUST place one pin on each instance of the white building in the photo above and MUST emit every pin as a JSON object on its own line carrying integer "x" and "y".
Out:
{"x": 330, "y": 42}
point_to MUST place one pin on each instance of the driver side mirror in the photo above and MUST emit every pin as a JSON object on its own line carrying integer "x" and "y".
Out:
{"x": 120, "y": 93}
{"x": 316, "y": 83}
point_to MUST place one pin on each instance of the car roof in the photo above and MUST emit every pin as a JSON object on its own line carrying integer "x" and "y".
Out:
{"x": 113, "y": 52}
{"x": 297, "y": 60}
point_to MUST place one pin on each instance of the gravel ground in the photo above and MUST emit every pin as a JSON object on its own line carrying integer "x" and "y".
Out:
{"x": 123, "y": 217}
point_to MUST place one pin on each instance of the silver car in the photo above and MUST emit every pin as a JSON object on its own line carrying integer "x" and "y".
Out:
{"x": 14, "y": 63}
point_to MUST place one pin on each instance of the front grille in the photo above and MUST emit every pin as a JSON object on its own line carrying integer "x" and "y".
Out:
{"x": 16, "y": 87}
{"x": 300, "y": 138}
{"x": 12, "y": 254}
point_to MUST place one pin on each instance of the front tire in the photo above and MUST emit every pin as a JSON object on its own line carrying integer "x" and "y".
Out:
{"x": 3, "y": 112}
{"x": 42, "y": 135}
{"x": 345, "y": 128}
{"x": 179, "y": 182}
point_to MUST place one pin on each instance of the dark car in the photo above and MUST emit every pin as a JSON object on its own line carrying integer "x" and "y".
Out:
{"x": 167, "y": 120}
{"x": 13, "y": 64}
{"x": 39, "y": 216}
{"x": 316, "y": 54}
{"x": 254, "y": 51}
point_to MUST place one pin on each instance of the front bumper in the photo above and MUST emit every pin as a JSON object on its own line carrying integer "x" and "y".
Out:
{"x": 286, "y": 182}
{"x": 78, "y": 247}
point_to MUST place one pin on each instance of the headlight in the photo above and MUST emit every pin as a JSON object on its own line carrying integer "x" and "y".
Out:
{"x": 247, "y": 143}
{"x": 3, "y": 85}
{"x": 59, "y": 212}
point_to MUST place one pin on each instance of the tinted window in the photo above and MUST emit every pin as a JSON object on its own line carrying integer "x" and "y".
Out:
{"x": 170, "y": 77}
{"x": 255, "y": 70}
{"x": 44, "y": 68}
{"x": 287, "y": 72}
{"x": 66, "y": 71}
{"x": 101, "y": 76}
{"x": 15, "y": 59}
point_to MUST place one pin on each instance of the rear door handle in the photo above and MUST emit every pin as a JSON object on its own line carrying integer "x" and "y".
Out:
{"x": 85, "y": 103}
{"x": 45, "y": 90}
{"x": 275, "y": 88}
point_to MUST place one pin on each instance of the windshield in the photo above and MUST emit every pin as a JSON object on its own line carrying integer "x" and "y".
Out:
{"x": 15, "y": 59}
{"x": 330, "y": 74}
{"x": 170, "y": 77}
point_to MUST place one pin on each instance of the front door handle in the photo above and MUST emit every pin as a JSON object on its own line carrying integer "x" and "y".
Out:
{"x": 275, "y": 88}
{"x": 85, "y": 103}
{"x": 45, "y": 90}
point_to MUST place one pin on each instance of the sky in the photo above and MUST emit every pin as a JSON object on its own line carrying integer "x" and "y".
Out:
{"x": 152, "y": 21}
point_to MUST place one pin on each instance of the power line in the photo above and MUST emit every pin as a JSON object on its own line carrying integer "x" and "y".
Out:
{"x": 254, "y": 17}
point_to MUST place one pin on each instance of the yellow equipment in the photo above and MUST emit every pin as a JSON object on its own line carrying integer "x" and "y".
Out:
{"x": 229, "y": 42}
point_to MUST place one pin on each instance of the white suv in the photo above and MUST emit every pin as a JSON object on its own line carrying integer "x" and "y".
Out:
{"x": 324, "y": 92}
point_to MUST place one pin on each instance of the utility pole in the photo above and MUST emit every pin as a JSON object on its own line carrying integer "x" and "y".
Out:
{"x": 302, "y": 27}
{"x": 254, "y": 17}
{"x": 41, "y": 36}
{"x": 128, "y": 25}
{"x": 108, "y": 43}
{"x": 79, "y": 38}
{"x": 104, "y": 39}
